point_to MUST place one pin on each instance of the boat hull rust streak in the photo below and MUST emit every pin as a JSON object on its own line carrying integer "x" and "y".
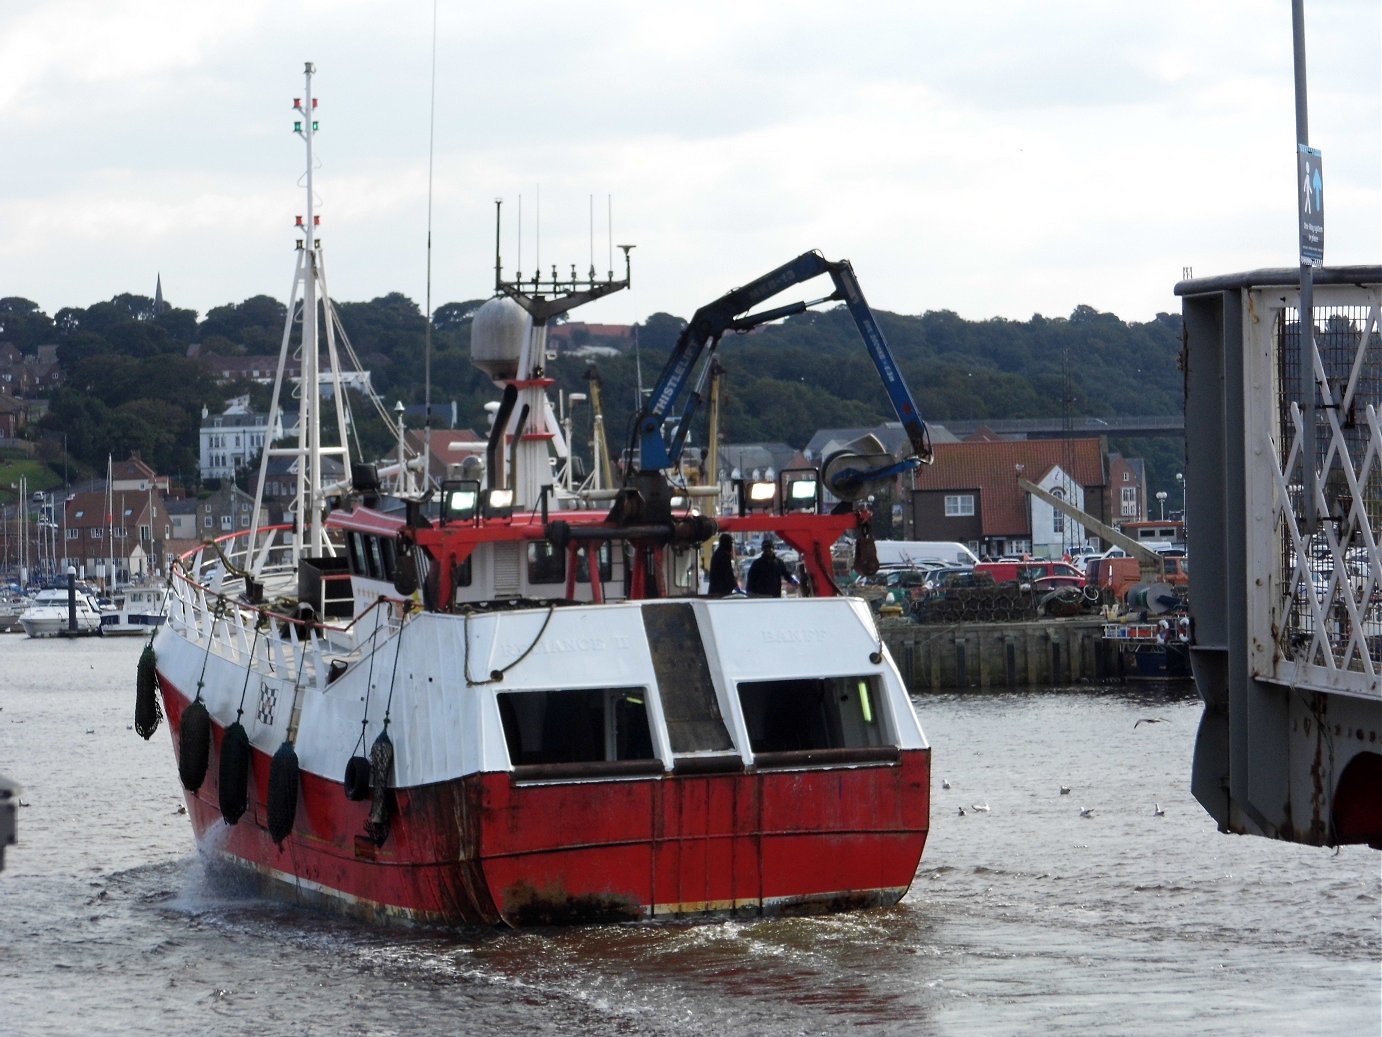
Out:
{"x": 626, "y": 849}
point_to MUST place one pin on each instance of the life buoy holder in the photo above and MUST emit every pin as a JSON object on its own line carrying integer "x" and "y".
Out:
{"x": 1183, "y": 629}
{"x": 1163, "y": 631}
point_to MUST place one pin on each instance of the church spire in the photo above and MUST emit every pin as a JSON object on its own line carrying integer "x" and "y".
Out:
{"x": 159, "y": 304}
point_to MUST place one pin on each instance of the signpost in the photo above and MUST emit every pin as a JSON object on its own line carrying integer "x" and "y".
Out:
{"x": 1310, "y": 201}
{"x": 1310, "y": 197}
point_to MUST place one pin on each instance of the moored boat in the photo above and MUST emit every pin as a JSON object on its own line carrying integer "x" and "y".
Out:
{"x": 62, "y": 612}
{"x": 137, "y": 610}
{"x": 1158, "y": 649}
{"x": 504, "y": 700}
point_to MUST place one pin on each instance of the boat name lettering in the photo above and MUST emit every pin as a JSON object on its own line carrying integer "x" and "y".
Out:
{"x": 554, "y": 645}
{"x": 797, "y": 636}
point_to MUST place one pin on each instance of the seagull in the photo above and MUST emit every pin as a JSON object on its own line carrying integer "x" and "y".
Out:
{"x": 1065, "y": 790}
{"x": 982, "y": 808}
{"x": 180, "y": 810}
{"x": 1149, "y": 720}
{"x": 1157, "y": 811}
{"x": 945, "y": 783}
{"x": 962, "y": 811}
{"x": 1086, "y": 811}
{"x": 91, "y": 730}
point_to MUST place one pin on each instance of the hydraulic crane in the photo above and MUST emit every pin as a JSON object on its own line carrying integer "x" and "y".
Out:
{"x": 847, "y": 474}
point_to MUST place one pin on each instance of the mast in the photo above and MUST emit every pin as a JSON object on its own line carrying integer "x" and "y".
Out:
{"x": 309, "y": 284}
{"x": 110, "y": 526}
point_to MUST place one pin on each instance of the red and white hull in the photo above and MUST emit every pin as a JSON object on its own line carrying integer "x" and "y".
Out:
{"x": 475, "y": 839}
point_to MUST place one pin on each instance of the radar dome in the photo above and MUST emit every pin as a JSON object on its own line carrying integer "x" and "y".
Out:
{"x": 497, "y": 336}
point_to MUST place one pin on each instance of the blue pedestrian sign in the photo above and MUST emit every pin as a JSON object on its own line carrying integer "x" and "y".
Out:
{"x": 1310, "y": 195}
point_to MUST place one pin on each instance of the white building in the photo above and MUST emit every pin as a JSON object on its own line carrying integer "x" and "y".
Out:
{"x": 232, "y": 440}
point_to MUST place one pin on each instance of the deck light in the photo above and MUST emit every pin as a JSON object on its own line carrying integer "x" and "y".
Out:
{"x": 802, "y": 494}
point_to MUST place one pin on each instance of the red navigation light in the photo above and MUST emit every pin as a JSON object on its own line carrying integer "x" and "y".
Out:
{"x": 316, "y": 221}
{"x": 314, "y": 102}
{"x": 297, "y": 102}
{"x": 299, "y": 221}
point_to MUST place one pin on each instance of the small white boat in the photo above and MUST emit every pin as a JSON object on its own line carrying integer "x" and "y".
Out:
{"x": 139, "y": 609}
{"x": 58, "y": 612}
{"x": 10, "y": 608}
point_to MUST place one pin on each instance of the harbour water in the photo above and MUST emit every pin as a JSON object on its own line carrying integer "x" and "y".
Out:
{"x": 1025, "y": 917}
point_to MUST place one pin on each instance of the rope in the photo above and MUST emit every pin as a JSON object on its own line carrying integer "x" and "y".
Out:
{"x": 495, "y": 676}
{"x": 248, "y": 670}
{"x": 369, "y": 682}
{"x": 216, "y": 613}
{"x": 398, "y": 651}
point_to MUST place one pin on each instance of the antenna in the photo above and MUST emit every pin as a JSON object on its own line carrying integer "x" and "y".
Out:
{"x": 427, "y": 339}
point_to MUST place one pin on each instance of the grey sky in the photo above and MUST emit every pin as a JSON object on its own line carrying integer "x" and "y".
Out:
{"x": 998, "y": 159}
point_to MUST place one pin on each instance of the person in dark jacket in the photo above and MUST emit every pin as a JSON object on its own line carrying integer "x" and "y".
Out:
{"x": 722, "y": 578}
{"x": 767, "y": 573}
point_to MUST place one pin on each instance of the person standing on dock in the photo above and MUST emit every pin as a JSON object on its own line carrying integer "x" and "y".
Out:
{"x": 722, "y": 578}
{"x": 767, "y": 573}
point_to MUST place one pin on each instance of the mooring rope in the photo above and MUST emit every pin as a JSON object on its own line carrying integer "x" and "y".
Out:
{"x": 369, "y": 681}
{"x": 495, "y": 676}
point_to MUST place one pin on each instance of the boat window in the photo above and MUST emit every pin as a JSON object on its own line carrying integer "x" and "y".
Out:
{"x": 463, "y": 572}
{"x": 355, "y": 542}
{"x": 812, "y": 713}
{"x": 546, "y": 563}
{"x": 592, "y": 725}
{"x": 603, "y": 552}
{"x": 389, "y": 547}
{"x": 376, "y": 557}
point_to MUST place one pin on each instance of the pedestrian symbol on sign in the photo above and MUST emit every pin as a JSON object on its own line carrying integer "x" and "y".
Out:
{"x": 1310, "y": 168}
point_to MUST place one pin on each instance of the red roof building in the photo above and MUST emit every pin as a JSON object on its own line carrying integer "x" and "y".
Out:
{"x": 970, "y": 493}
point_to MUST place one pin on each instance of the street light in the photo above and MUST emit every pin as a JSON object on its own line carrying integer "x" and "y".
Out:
{"x": 1180, "y": 481}
{"x": 1161, "y": 501}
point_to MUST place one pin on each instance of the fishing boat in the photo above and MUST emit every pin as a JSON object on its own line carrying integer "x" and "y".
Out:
{"x": 63, "y": 612}
{"x": 502, "y": 699}
{"x": 1156, "y": 650}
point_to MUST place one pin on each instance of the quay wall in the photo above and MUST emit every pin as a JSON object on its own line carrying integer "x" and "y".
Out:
{"x": 983, "y": 656}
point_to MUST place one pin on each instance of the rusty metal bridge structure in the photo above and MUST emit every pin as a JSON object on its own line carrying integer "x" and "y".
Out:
{"x": 1284, "y": 492}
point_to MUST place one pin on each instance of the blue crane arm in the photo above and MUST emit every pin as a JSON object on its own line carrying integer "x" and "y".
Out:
{"x": 727, "y": 313}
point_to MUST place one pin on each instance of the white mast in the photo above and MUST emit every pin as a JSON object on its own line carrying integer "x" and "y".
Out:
{"x": 309, "y": 283}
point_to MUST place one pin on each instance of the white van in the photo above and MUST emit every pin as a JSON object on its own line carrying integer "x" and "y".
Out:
{"x": 915, "y": 552}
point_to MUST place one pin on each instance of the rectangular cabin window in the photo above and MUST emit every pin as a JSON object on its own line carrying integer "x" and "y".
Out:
{"x": 604, "y": 553}
{"x": 810, "y": 713}
{"x": 546, "y": 563}
{"x": 376, "y": 557}
{"x": 586, "y": 726}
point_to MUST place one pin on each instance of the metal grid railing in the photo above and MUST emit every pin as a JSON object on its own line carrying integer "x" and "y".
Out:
{"x": 1331, "y": 580}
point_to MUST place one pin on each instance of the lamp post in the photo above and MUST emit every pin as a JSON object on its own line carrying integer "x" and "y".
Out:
{"x": 1180, "y": 481}
{"x": 1161, "y": 502}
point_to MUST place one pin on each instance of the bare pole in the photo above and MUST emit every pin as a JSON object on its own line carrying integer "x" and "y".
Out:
{"x": 427, "y": 341}
{"x": 1305, "y": 388}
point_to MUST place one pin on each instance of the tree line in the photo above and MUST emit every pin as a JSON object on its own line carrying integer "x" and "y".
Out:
{"x": 130, "y": 383}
